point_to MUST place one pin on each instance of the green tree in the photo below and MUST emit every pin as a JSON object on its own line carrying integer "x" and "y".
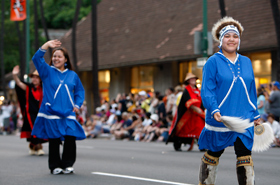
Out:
{"x": 58, "y": 14}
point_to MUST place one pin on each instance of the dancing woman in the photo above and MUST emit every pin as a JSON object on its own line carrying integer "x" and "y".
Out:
{"x": 63, "y": 96}
{"x": 30, "y": 97}
{"x": 228, "y": 89}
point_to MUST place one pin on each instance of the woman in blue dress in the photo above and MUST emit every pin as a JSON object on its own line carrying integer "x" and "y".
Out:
{"x": 228, "y": 89}
{"x": 63, "y": 95}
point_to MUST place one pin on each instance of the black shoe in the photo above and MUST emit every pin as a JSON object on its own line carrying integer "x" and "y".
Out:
{"x": 57, "y": 171}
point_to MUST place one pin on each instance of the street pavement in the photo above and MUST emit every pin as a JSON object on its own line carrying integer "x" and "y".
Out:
{"x": 109, "y": 162}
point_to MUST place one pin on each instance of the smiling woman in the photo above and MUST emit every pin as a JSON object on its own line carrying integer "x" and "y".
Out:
{"x": 228, "y": 89}
{"x": 63, "y": 97}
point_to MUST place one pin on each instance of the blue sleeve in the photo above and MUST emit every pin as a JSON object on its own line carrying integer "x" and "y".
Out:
{"x": 209, "y": 85}
{"x": 253, "y": 93}
{"x": 79, "y": 93}
{"x": 40, "y": 64}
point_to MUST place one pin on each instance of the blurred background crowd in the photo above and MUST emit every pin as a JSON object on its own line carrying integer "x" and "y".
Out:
{"x": 143, "y": 116}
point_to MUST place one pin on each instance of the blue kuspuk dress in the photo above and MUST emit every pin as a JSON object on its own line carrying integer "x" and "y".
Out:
{"x": 62, "y": 90}
{"x": 230, "y": 89}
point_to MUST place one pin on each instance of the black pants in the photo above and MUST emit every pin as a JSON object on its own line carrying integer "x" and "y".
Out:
{"x": 239, "y": 148}
{"x": 68, "y": 155}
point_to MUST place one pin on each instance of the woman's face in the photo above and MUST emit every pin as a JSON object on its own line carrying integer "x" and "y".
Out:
{"x": 230, "y": 42}
{"x": 192, "y": 81}
{"x": 58, "y": 60}
{"x": 35, "y": 80}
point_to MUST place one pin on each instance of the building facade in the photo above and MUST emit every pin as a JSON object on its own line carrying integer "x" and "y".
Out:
{"x": 149, "y": 45}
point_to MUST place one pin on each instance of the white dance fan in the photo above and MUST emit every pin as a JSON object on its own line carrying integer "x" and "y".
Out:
{"x": 236, "y": 124}
{"x": 263, "y": 137}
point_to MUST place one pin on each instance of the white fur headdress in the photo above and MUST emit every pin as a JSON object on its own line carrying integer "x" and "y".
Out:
{"x": 223, "y": 23}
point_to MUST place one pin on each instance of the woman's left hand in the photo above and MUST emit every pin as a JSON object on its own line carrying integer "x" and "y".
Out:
{"x": 257, "y": 121}
{"x": 76, "y": 110}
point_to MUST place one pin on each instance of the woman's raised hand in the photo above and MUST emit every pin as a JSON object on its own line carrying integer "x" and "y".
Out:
{"x": 52, "y": 44}
{"x": 15, "y": 70}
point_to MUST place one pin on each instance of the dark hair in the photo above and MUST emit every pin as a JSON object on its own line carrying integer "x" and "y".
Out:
{"x": 134, "y": 118}
{"x": 119, "y": 118}
{"x": 259, "y": 91}
{"x": 66, "y": 55}
{"x": 148, "y": 115}
{"x": 171, "y": 89}
{"x": 157, "y": 93}
{"x": 270, "y": 115}
{"x": 160, "y": 97}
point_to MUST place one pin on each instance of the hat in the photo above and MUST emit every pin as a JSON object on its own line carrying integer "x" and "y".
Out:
{"x": 154, "y": 117}
{"x": 189, "y": 76}
{"x": 142, "y": 93}
{"x": 276, "y": 84}
{"x": 98, "y": 109}
{"x": 222, "y": 23}
{"x": 35, "y": 73}
{"x": 114, "y": 105}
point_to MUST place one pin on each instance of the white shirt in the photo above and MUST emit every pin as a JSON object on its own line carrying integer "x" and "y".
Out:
{"x": 275, "y": 127}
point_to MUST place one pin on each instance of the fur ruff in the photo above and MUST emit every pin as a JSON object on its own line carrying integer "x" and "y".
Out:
{"x": 235, "y": 124}
{"x": 224, "y": 22}
{"x": 263, "y": 139}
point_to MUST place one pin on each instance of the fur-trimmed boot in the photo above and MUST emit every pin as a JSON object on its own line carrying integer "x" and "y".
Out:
{"x": 31, "y": 149}
{"x": 208, "y": 170}
{"x": 245, "y": 170}
{"x": 39, "y": 149}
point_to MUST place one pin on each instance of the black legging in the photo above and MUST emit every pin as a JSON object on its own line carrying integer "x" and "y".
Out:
{"x": 68, "y": 155}
{"x": 239, "y": 147}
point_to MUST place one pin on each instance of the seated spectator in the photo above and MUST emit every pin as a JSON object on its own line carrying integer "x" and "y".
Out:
{"x": 117, "y": 125}
{"x": 127, "y": 128}
{"x": 276, "y": 129}
{"x": 139, "y": 133}
{"x": 93, "y": 127}
{"x": 162, "y": 131}
{"x": 150, "y": 131}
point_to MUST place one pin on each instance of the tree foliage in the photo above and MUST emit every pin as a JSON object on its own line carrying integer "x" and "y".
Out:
{"x": 59, "y": 14}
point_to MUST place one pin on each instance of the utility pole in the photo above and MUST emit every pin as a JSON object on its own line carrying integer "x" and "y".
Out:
{"x": 204, "y": 33}
{"x": 276, "y": 18}
{"x": 95, "y": 86}
{"x": 27, "y": 32}
{"x": 222, "y": 8}
{"x": 74, "y": 26}
{"x": 2, "y": 48}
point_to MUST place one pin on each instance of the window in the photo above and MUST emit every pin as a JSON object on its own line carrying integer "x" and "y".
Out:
{"x": 261, "y": 63}
{"x": 142, "y": 78}
{"x": 104, "y": 83}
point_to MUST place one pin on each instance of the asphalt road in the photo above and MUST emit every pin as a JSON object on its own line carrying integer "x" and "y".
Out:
{"x": 107, "y": 162}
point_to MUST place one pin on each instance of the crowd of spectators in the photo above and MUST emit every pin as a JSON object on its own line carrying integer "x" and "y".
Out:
{"x": 269, "y": 107}
{"x": 144, "y": 116}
